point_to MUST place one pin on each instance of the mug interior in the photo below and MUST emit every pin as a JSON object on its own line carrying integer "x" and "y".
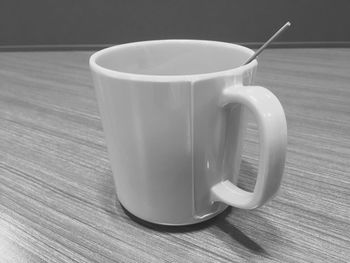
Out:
{"x": 173, "y": 57}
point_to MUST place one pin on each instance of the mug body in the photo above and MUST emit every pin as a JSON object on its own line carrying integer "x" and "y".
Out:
{"x": 168, "y": 138}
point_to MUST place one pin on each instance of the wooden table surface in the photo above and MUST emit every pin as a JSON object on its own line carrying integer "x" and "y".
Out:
{"x": 58, "y": 201}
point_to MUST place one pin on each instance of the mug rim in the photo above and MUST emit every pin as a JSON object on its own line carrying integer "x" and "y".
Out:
{"x": 169, "y": 78}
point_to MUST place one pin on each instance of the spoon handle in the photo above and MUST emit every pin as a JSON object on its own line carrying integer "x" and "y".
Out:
{"x": 279, "y": 32}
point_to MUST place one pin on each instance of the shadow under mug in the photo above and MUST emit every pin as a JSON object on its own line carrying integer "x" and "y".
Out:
{"x": 173, "y": 113}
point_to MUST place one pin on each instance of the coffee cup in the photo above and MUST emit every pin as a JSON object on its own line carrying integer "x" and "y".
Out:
{"x": 174, "y": 116}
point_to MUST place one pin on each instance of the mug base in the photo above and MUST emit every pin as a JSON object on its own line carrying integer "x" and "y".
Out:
{"x": 155, "y": 223}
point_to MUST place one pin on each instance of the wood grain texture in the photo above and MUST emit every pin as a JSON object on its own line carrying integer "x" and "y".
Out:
{"x": 57, "y": 198}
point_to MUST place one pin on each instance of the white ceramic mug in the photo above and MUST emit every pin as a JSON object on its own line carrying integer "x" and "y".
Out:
{"x": 173, "y": 115}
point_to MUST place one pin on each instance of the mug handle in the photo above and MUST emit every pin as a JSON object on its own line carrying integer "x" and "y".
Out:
{"x": 273, "y": 143}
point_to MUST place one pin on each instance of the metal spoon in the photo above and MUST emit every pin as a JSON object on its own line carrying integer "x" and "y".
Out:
{"x": 279, "y": 32}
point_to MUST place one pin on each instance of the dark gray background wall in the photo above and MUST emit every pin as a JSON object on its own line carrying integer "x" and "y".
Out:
{"x": 106, "y": 22}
